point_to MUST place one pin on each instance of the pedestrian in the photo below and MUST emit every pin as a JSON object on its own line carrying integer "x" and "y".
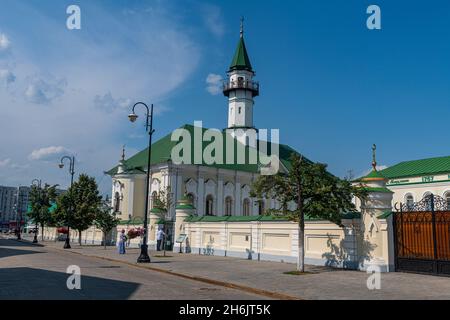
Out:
{"x": 122, "y": 240}
{"x": 159, "y": 238}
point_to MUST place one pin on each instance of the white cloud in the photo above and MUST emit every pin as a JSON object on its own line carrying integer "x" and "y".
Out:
{"x": 214, "y": 83}
{"x": 108, "y": 103}
{"x": 4, "y": 42}
{"x": 81, "y": 77}
{"x": 212, "y": 17}
{"x": 7, "y": 76}
{"x": 5, "y": 162}
{"x": 42, "y": 91}
{"x": 47, "y": 152}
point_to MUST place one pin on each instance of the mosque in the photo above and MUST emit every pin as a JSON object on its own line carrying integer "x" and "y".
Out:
{"x": 223, "y": 189}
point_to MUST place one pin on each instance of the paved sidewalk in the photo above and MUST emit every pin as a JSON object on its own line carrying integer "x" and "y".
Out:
{"x": 37, "y": 272}
{"x": 321, "y": 283}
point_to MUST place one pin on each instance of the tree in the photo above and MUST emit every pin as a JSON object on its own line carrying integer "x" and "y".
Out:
{"x": 78, "y": 207}
{"x": 105, "y": 219}
{"x": 41, "y": 200}
{"x": 308, "y": 189}
{"x": 163, "y": 201}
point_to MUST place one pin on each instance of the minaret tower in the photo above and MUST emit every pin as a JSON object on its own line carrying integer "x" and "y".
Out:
{"x": 240, "y": 90}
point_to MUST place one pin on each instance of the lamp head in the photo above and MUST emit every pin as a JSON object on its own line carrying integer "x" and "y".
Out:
{"x": 132, "y": 117}
{"x": 61, "y": 165}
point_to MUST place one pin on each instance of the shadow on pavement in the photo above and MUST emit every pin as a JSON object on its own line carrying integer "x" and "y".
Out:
{"x": 17, "y": 243}
{"x": 30, "y": 284}
{"x": 8, "y": 252}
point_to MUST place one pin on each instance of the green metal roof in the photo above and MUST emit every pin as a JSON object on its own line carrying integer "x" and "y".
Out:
{"x": 162, "y": 149}
{"x": 372, "y": 174}
{"x": 240, "y": 60}
{"x": 430, "y": 166}
{"x": 377, "y": 189}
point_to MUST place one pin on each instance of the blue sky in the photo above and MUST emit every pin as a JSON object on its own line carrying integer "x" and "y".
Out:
{"x": 329, "y": 84}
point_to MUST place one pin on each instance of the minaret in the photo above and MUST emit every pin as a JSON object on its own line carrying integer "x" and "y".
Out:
{"x": 240, "y": 90}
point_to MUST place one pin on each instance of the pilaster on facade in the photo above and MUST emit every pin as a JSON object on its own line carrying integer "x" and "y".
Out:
{"x": 220, "y": 211}
{"x": 200, "y": 195}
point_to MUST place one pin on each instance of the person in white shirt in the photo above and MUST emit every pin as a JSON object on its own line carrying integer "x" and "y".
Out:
{"x": 159, "y": 238}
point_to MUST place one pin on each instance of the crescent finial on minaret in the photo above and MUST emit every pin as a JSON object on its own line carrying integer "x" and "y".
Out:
{"x": 242, "y": 27}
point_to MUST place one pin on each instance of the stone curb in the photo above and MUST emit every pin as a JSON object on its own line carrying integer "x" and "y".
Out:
{"x": 231, "y": 285}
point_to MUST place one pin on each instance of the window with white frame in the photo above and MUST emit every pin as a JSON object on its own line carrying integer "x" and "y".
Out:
{"x": 228, "y": 206}
{"x": 427, "y": 198}
{"x": 246, "y": 207}
{"x": 209, "y": 205}
{"x": 447, "y": 198}
{"x": 409, "y": 200}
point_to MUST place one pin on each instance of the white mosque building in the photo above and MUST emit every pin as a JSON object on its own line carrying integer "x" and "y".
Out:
{"x": 215, "y": 189}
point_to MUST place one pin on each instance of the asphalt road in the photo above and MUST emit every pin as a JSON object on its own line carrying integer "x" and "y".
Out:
{"x": 35, "y": 272}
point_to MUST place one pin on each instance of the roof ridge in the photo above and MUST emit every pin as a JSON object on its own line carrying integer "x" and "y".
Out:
{"x": 423, "y": 159}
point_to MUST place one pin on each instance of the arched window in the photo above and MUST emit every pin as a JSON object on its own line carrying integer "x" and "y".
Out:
{"x": 154, "y": 198}
{"x": 409, "y": 199}
{"x": 228, "y": 206}
{"x": 447, "y": 197}
{"x": 427, "y": 197}
{"x": 246, "y": 207}
{"x": 209, "y": 205}
{"x": 116, "y": 202}
{"x": 261, "y": 207}
{"x": 191, "y": 197}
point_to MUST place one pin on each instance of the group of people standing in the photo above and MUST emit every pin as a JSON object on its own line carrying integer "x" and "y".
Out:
{"x": 123, "y": 240}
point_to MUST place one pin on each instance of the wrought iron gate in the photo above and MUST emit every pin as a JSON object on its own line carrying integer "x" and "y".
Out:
{"x": 422, "y": 236}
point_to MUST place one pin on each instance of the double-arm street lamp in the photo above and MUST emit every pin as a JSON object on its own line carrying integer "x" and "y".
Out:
{"x": 144, "y": 257}
{"x": 37, "y": 183}
{"x": 71, "y": 171}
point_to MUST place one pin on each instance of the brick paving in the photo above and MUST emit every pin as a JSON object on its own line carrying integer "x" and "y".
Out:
{"x": 39, "y": 272}
{"x": 320, "y": 283}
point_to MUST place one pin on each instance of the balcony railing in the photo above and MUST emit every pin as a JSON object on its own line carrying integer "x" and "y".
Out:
{"x": 253, "y": 86}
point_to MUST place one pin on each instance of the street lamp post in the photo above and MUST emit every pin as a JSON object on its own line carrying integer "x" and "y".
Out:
{"x": 144, "y": 257}
{"x": 71, "y": 171}
{"x": 37, "y": 183}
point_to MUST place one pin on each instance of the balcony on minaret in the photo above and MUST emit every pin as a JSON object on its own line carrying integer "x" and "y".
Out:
{"x": 250, "y": 85}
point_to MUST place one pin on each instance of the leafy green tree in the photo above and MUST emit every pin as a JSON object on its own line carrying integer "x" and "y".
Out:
{"x": 41, "y": 200}
{"x": 105, "y": 219}
{"x": 78, "y": 207}
{"x": 307, "y": 189}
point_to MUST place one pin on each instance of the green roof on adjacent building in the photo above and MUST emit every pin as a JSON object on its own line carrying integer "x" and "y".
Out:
{"x": 430, "y": 166}
{"x": 241, "y": 60}
{"x": 162, "y": 149}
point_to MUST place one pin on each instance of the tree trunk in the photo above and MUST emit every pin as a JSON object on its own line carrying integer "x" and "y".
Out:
{"x": 42, "y": 232}
{"x": 79, "y": 237}
{"x": 104, "y": 239}
{"x": 301, "y": 244}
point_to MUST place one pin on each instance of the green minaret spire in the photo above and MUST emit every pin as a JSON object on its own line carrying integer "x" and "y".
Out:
{"x": 240, "y": 60}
